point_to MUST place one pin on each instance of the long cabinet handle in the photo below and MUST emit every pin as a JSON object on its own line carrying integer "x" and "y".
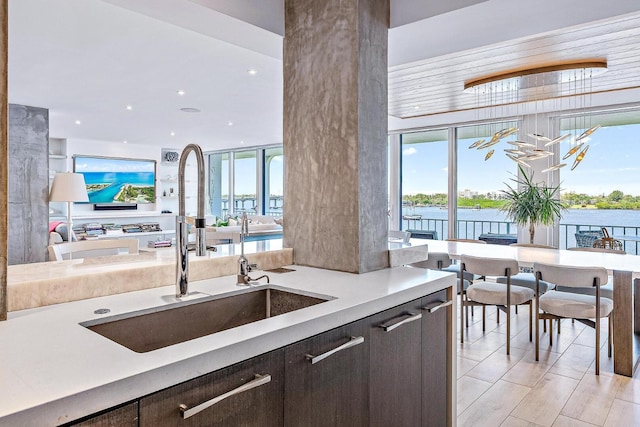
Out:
{"x": 354, "y": 341}
{"x": 437, "y": 305}
{"x": 257, "y": 382}
{"x": 412, "y": 318}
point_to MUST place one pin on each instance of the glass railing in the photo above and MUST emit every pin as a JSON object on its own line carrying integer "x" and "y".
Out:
{"x": 473, "y": 229}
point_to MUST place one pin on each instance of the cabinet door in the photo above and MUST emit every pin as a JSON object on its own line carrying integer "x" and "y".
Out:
{"x": 244, "y": 397}
{"x": 326, "y": 379}
{"x": 435, "y": 368}
{"x": 396, "y": 366}
{"x": 124, "y": 416}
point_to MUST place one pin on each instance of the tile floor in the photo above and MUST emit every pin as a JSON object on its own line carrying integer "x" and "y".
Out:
{"x": 560, "y": 390}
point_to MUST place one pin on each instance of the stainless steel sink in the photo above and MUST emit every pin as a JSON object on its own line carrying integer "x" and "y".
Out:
{"x": 159, "y": 327}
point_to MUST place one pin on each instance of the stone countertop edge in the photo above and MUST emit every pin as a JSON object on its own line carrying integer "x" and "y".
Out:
{"x": 55, "y": 370}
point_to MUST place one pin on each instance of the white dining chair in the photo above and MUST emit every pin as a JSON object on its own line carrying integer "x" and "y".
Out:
{"x": 88, "y": 248}
{"x": 502, "y": 295}
{"x": 570, "y": 305}
{"x": 455, "y": 268}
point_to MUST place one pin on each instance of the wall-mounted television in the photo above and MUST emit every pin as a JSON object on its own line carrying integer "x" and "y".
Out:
{"x": 115, "y": 181}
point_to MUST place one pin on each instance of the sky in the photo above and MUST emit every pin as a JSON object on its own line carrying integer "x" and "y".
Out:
{"x": 611, "y": 163}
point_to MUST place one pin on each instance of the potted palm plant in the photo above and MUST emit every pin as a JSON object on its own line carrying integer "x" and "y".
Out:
{"x": 530, "y": 203}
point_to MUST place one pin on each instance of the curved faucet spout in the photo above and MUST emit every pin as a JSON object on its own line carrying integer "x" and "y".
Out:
{"x": 182, "y": 255}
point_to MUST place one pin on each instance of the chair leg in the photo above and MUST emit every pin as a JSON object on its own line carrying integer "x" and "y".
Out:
{"x": 550, "y": 332}
{"x": 530, "y": 321}
{"x": 484, "y": 318}
{"x": 597, "y": 346}
{"x": 508, "y": 329}
{"x": 558, "y": 326}
{"x": 544, "y": 326}
{"x": 497, "y": 315}
{"x": 462, "y": 307}
{"x": 537, "y": 334}
{"x": 610, "y": 335}
{"x": 516, "y": 309}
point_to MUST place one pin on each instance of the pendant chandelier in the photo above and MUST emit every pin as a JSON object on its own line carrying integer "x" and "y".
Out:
{"x": 553, "y": 81}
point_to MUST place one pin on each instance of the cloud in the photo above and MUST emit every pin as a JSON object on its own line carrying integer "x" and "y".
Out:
{"x": 409, "y": 151}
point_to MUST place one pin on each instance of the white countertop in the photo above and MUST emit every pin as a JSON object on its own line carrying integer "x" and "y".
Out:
{"x": 53, "y": 370}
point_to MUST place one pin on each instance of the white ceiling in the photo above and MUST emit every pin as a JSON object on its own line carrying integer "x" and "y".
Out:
{"x": 88, "y": 59}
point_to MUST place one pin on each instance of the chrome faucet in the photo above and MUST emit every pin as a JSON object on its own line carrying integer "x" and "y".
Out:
{"x": 182, "y": 254}
{"x": 243, "y": 263}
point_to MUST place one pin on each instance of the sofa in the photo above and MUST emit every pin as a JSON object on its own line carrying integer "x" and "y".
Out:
{"x": 260, "y": 227}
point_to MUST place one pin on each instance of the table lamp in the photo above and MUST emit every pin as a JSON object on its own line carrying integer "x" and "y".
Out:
{"x": 68, "y": 187}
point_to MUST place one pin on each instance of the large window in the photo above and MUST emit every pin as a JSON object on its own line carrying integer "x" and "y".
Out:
{"x": 248, "y": 181}
{"x": 482, "y": 174}
{"x": 273, "y": 181}
{"x": 219, "y": 184}
{"x": 245, "y": 182}
{"x": 603, "y": 190}
{"x": 424, "y": 181}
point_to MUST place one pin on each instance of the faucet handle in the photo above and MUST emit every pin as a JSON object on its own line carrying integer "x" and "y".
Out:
{"x": 251, "y": 267}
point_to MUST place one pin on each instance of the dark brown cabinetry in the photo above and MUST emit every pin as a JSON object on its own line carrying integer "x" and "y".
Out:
{"x": 123, "y": 416}
{"x": 395, "y": 366}
{"x": 326, "y": 379}
{"x": 389, "y": 369}
{"x": 436, "y": 358}
{"x": 250, "y": 399}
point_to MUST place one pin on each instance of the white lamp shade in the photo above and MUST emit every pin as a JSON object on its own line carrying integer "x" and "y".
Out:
{"x": 68, "y": 187}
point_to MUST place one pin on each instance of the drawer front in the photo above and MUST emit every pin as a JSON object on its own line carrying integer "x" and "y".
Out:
{"x": 246, "y": 405}
{"x": 327, "y": 379}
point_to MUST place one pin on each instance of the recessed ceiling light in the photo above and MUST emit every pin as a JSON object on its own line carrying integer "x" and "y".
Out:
{"x": 252, "y": 72}
{"x": 173, "y": 134}
{"x": 180, "y": 92}
{"x": 417, "y": 107}
{"x": 190, "y": 110}
{"x": 124, "y": 142}
{"x": 78, "y": 122}
{"x": 129, "y": 107}
{"x": 230, "y": 124}
{"x": 241, "y": 142}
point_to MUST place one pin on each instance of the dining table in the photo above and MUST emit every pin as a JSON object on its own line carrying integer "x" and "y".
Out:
{"x": 625, "y": 269}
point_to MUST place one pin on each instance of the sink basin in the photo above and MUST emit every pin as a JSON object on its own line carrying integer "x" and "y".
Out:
{"x": 159, "y": 327}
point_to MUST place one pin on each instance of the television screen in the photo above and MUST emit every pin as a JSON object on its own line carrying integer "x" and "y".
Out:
{"x": 115, "y": 180}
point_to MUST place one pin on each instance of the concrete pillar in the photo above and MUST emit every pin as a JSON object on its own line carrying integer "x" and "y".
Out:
{"x": 4, "y": 155}
{"x": 335, "y": 133}
{"x": 28, "y": 234}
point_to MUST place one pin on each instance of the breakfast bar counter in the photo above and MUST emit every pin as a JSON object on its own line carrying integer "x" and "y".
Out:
{"x": 54, "y": 370}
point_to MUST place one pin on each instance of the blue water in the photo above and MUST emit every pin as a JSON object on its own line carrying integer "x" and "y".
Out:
{"x": 595, "y": 217}
{"x": 117, "y": 180}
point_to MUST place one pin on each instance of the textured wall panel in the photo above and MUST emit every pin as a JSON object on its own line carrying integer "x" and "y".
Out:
{"x": 28, "y": 232}
{"x": 335, "y": 126}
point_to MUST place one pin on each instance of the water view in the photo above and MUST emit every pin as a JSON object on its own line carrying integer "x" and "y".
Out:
{"x": 473, "y": 222}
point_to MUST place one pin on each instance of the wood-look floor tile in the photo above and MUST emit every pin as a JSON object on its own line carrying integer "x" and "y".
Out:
{"x": 563, "y": 421}
{"x": 629, "y": 390}
{"x": 494, "y": 406}
{"x": 575, "y": 362}
{"x": 517, "y": 422}
{"x": 469, "y": 389}
{"x": 593, "y": 398}
{"x": 545, "y": 401}
{"x": 465, "y": 365}
{"x": 528, "y": 371}
{"x": 623, "y": 413}
{"x": 483, "y": 348}
{"x": 496, "y": 365}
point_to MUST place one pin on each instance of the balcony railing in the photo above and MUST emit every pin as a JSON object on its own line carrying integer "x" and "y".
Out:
{"x": 472, "y": 229}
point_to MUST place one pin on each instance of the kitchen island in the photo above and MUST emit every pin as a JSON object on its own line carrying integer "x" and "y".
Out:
{"x": 54, "y": 370}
